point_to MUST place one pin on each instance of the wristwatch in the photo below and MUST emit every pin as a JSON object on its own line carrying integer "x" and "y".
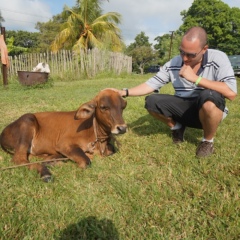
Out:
{"x": 125, "y": 89}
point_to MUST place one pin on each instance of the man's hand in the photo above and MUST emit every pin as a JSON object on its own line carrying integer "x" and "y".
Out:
{"x": 187, "y": 72}
{"x": 121, "y": 92}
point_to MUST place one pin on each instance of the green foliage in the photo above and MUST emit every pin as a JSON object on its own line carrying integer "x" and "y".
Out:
{"x": 149, "y": 189}
{"x": 221, "y": 22}
{"x": 167, "y": 47}
{"x": 143, "y": 55}
{"x": 22, "y": 41}
{"x": 14, "y": 50}
{"x": 140, "y": 40}
{"x": 86, "y": 27}
{"x": 48, "y": 32}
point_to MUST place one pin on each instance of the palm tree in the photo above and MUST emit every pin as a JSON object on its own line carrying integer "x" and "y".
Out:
{"x": 86, "y": 28}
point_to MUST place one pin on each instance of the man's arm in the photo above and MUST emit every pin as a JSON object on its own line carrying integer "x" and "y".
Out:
{"x": 221, "y": 87}
{"x": 139, "y": 90}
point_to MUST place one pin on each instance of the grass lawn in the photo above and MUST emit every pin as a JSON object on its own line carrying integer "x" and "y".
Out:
{"x": 149, "y": 189}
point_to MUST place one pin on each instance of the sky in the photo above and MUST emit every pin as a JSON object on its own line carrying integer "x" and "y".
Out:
{"x": 154, "y": 17}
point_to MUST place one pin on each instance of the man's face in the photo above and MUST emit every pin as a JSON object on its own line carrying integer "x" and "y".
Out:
{"x": 192, "y": 52}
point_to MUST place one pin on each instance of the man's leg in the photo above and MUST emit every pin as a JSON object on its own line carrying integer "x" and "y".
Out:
{"x": 167, "y": 120}
{"x": 210, "y": 117}
{"x": 176, "y": 128}
{"x": 171, "y": 110}
{"x": 211, "y": 105}
{"x": 205, "y": 112}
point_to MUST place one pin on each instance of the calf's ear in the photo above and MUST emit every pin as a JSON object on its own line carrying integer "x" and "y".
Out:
{"x": 86, "y": 110}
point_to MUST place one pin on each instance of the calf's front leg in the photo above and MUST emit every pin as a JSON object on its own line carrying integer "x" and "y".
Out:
{"x": 76, "y": 154}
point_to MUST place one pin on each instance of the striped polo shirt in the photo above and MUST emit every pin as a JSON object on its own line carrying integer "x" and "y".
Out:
{"x": 215, "y": 66}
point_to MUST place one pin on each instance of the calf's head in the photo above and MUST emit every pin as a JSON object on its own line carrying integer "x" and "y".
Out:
{"x": 107, "y": 107}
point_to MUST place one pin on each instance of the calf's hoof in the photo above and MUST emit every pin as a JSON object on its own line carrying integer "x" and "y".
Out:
{"x": 47, "y": 178}
{"x": 85, "y": 165}
{"x": 110, "y": 149}
{"x": 45, "y": 174}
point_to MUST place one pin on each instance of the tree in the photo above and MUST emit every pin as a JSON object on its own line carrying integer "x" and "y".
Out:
{"x": 221, "y": 22}
{"x": 166, "y": 43}
{"x": 23, "y": 40}
{"x": 86, "y": 27}
{"x": 142, "y": 53}
{"x": 140, "y": 40}
{"x": 12, "y": 49}
{"x": 142, "y": 57}
{"x": 48, "y": 31}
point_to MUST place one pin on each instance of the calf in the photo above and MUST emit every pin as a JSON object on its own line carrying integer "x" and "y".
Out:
{"x": 76, "y": 135}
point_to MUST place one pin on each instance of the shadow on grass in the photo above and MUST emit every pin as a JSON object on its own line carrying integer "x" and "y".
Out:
{"x": 148, "y": 125}
{"x": 90, "y": 228}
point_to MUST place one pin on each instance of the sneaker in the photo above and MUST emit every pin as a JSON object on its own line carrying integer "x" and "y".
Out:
{"x": 177, "y": 135}
{"x": 204, "y": 149}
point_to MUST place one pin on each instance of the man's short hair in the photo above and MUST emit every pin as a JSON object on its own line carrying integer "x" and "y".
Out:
{"x": 196, "y": 32}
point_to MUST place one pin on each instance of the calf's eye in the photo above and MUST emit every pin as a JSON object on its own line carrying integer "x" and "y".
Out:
{"x": 104, "y": 108}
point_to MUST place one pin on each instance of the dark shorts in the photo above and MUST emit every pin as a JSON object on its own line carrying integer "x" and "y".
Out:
{"x": 183, "y": 110}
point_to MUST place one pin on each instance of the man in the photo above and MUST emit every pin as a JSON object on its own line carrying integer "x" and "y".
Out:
{"x": 202, "y": 79}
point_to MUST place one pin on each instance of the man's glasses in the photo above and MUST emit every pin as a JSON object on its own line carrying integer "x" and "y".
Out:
{"x": 189, "y": 55}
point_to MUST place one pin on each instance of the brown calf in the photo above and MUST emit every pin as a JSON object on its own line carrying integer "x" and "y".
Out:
{"x": 76, "y": 135}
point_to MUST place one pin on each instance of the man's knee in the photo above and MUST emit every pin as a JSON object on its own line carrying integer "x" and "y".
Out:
{"x": 208, "y": 106}
{"x": 210, "y": 110}
{"x": 150, "y": 102}
{"x": 211, "y": 98}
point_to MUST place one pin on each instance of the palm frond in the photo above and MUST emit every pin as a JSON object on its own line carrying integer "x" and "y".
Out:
{"x": 109, "y": 17}
{"x": 60, "y": 39}
{"x": 87, "y": 28}
{"x": 74, "y": 16}
{"x": 105, "y": 26}
{"x": 85, "y": 42}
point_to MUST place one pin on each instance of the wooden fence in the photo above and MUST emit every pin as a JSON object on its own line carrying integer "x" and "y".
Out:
{"x": 81, "y": 64}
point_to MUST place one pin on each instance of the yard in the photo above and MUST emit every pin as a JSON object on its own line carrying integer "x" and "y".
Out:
{"x": 149, "y": 189}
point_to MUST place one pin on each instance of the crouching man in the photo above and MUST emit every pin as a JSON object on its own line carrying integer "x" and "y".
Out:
{"x": 202, "y": 78}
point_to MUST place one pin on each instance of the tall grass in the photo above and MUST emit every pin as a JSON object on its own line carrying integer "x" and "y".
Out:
{"x": 149, "y": 189}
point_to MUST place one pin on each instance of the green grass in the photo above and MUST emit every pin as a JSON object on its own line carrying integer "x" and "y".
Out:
{"x": 149, "y": 189}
